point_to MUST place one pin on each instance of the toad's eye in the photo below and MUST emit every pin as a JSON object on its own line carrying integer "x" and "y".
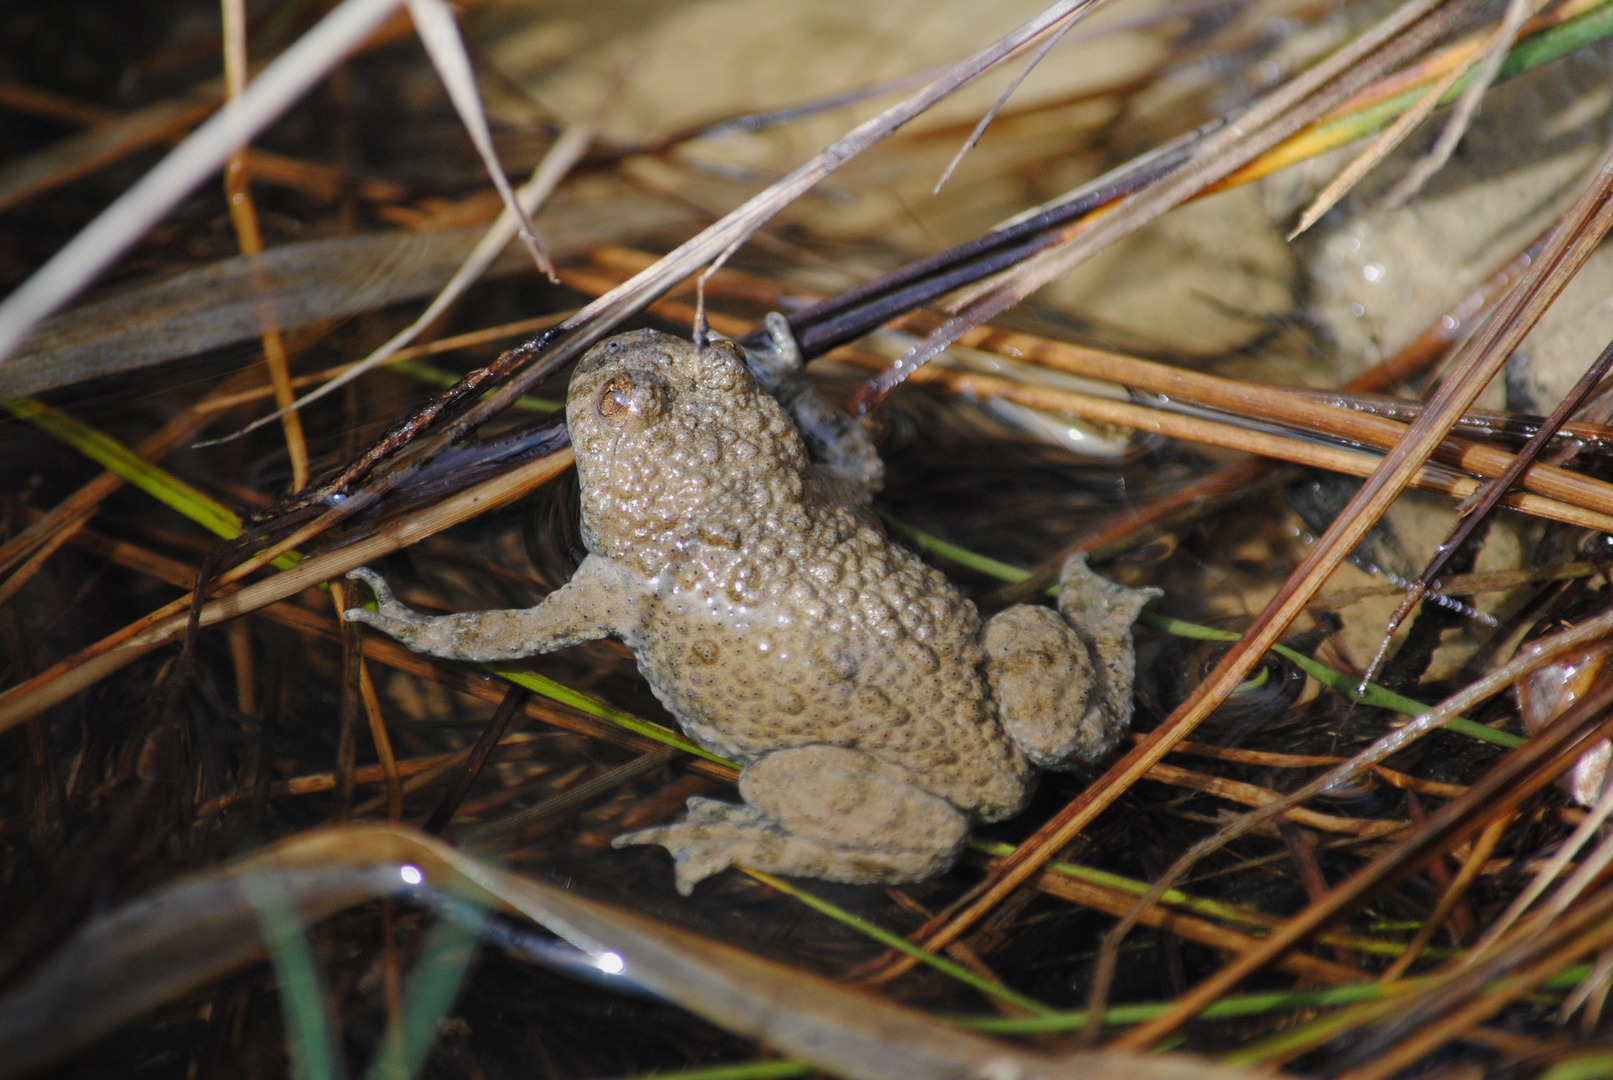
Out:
{"x": 617, "y": 397}
{"x": 630, "y": 396}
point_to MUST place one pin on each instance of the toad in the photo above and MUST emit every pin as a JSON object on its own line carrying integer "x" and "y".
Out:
{"x": 873, "y": 716}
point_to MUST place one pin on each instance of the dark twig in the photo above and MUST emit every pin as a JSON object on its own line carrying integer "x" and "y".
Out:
{"x": 514, "y": 701}
{"x": 1263, "y": 125}
{"x": 572, "y": 798}
{"x": 853, "y": 313}
{"x": 1489, "y": 496}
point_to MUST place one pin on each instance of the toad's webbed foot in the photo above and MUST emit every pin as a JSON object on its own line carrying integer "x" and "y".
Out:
{"x": 1102, "y": 613}
{"x": 391, "y": 616}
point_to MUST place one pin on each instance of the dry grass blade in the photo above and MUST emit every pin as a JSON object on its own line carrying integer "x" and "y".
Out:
{"x": 1547, "y": 874}
{"x": 567, "y": 150}
{"x": 714, "y": 243}
{"x": 1493, "y": 53}
{"x": 1472, "y": 867}
{"x": 1254, "y": 795}
{"x": 571, "y": 799}
{"x": 139, "y": 208}
{"x": 244, "y": 216}
{"x": 1115, "y": 902}
{"x": 353, "y": 656}
{"x": 996, "y": 106}
{"x": 86, "y": 990}
{"x": 106, "y": 142}
{"x": 439, "y": 33}
{"x": 1566, "y": 896}
{"x": 513, "y": 701}
{"x": 168, "y": 624}
{"x": 1452, "y": 1007}
{"x": 1467, "y": 106}
{"x": 114, "y": 136}
{"x": 1381, "y": 147}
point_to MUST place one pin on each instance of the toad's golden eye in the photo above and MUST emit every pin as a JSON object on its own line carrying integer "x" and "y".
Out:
{"x": 617, "y": 397}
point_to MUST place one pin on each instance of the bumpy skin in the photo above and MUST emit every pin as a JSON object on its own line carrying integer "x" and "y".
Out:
{"x": 873, "y": 717}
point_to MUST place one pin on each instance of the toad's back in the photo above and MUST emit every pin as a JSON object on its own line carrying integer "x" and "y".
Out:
{"x": 771, "y": 616}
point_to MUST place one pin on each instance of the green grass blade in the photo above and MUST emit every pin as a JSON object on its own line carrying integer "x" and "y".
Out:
{"x": 745, "y": 1070}
{"x": 135, "y": 471}
{"x": 1597, "y": 1066}
{"x": 445, "y": 957}
{"x": 554, "y": 691}
{"x": 902, "y": 945}
{"x": 303, "y": 1001}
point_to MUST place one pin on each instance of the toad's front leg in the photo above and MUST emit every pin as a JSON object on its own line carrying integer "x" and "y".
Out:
{"x": 596, "y": 602}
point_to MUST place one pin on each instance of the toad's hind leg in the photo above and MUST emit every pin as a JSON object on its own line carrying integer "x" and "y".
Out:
{"x": 816, "y": 811}
{"x": 1062, "y": 680}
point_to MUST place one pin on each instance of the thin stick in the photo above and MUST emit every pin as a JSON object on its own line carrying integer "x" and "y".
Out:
{"x": 1472, "y": 867}
{"x": 244, "y": 217}
{"x": 1467, "y": 106}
